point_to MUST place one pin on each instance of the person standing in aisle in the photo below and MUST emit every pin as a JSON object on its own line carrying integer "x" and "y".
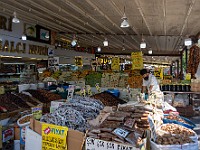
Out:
{"x": 150, "y": 82}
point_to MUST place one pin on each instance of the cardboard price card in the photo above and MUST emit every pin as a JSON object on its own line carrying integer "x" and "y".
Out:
{"x": 54, "y": 137}
{"x": 115, "y": 63}
{"x": 96, "y": 144}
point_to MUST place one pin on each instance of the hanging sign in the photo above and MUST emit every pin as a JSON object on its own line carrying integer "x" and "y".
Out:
{"x": 54, "y": 137}
{"x": 115, "y": 64}
{"x": 137, "y": 60}
{"x": 79, "y": 61}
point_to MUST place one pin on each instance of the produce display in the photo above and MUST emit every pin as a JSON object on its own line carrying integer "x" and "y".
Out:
{"x": 75, "y": 114}
{"x": 44, "y": 96}
{"x": 177, "y": 129}
{"x": 108, "y": 99}
{"x": 25, "y": 119}
{"x": 93, "y": 78}
{"x": 169, "y": 139}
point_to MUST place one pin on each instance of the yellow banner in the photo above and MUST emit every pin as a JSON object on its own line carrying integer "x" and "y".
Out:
{"x": 115, "y": 63}
{"x": 137, "y": 63}
{"x": 54, "y": 137}
{"x": 136, "y": 54}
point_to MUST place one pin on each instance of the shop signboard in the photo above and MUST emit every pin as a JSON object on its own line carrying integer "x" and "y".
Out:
{"x": 96, "y": 144}
{"x": 54, "y": 137}
{"x": 137, "y": 60}
{"x": 115, "y": 66}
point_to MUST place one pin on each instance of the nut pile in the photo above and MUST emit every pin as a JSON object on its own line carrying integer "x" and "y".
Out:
{"x": 108, "y": 99}
{"x": 25, "y": 120}
{"x": 177, "y": 118}
{"x": 44, "y": 96}
{"x": 7, "y": 104}
{"x": 177, "y": 129}
{"x": 168, "y": 139}
{"x": 27, "y": 99}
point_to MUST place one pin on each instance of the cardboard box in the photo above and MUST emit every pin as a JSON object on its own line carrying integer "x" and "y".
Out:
{"x": 75, "y": 139}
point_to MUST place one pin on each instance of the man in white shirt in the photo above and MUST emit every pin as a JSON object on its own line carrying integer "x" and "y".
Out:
{"x": 150, "y": 82}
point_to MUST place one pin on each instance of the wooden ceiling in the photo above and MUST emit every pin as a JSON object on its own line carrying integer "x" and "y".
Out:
{"x": 163, "y": 23}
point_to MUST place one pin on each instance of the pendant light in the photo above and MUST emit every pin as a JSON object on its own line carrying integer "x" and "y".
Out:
{"x": 15, "y": 19}
{"x": 24, "y": 37}
{"x": 74, "y": 41}
{"x": 98, "y": 49}
{"x": 143, "y": 43}
{"x": 123, "y": 46}
{"x": 105, "y": 42}
{"x": 150, "y": 52}
{"x": 47, "y": 35}
{"x": 187, "y": 41}
{"x": 124, "y": 23}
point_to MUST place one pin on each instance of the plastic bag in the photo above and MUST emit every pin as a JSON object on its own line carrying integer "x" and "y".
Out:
{"x": 181, "y": 100}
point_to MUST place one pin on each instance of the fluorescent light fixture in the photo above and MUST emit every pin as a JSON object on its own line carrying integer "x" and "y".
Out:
{"x": 15, "y": 19}
{"x": 105, "y": 42}
{"x": 24, "y": 38}
{"x": 143, "y": 45}
{"x": 188, "y": 42}
{"x": 17, "y": 57}
{"x": 32, "y": 58}
{"x": 150, "y": 52}
{"x": 98, "y": 49}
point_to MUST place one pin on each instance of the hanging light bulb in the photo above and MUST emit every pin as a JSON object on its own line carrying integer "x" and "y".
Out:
{"x": 124, "y": 23}
{"x": 123, "y": 48}
{"x": 47, "y": 35}
{"x": 105, "y": 42}
{"x": 74, "y": 41}
{"x": 24, "y": 37}
{"x": 15, "y": 19}
{"x": 150, "y": 51}
{"x": 143, "y": 44}
{"x": 188, "y": 42}
{"x": 98, "y": 49}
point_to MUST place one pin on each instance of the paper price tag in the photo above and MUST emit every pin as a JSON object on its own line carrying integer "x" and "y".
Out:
{"x": 89, "y": 91}
{"x": 98, "y": 88}
{"x": 152, "y": 126}
{"x": 70, "y": 92}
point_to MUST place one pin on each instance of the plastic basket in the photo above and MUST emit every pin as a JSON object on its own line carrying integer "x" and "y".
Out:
{"x": 190, "y": 124}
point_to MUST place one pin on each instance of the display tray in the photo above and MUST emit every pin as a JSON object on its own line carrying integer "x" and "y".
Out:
{"x": 181, "y": 92}
{"x": 10, "y": 114}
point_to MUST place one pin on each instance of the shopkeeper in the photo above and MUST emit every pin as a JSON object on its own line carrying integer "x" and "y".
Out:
{"x": 150, "y": 82}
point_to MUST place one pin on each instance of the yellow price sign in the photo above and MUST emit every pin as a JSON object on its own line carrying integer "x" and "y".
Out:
{"x": 115, "y": 63}
{"x": 54, "y": 137}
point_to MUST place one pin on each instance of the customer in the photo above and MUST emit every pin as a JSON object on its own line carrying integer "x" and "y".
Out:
{"x": 150, "y": 82}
